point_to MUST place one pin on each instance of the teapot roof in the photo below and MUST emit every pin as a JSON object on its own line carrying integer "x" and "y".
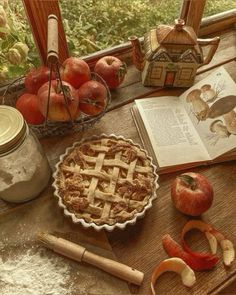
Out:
{"x": 177, "y": 34}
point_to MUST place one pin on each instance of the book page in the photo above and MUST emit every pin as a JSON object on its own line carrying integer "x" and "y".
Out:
{"x": 173, "y": 138}
{"x": 211, "y": 106}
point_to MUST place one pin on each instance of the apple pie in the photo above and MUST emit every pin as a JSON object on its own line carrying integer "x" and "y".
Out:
{"x": 106, "y": 180}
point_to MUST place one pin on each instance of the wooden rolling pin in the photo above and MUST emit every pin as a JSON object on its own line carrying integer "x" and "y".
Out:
{"x": 81, "y": 254}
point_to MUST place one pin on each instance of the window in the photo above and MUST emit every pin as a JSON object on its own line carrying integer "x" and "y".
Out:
{"x": 93, "y": 25}
{"x": 17, "y": 48}
{"x": 90, "y": 26}
{"x": 216, "y": 6}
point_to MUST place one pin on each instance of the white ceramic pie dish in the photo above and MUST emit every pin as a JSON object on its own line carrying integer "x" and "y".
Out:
{"x": 107, "y": 227}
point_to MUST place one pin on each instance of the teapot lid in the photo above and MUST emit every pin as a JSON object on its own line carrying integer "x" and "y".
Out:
{"x": 177, "y": 34}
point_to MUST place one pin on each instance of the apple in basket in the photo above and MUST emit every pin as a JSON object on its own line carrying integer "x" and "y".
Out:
{"x": 27, "y": 104}
{"x": 112, "y": 70}
{"x": 60, "y": 107}
{"x": 36, "y": 78}
{"x": 75, "y": 71}
{"x": 92, "y": 97}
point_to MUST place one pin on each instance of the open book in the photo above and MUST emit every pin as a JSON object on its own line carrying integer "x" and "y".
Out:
{"x": 199, "y": 127}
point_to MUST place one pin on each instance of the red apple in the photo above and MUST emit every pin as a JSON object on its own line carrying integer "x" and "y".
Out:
{"x": 192, "y": 193}
{"x": 28, "y": 105}
{"x": 58, "y": 110}
{"x": 75, "y": 71}
{"x": 112, "y": 70}
{"x": 92, "y": 97}
{"x": 36, "y": 78}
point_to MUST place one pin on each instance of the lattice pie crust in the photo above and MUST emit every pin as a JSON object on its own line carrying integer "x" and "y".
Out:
{"x": 105, "y": 181}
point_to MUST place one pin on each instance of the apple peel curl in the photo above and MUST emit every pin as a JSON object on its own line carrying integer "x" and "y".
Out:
{"x": 197, "y": 261}
{"x": 213, "y": 236}
{"x": 176, "y": 265}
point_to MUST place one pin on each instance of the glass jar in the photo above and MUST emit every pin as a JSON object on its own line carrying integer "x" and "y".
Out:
{"x": 24, "y": 168}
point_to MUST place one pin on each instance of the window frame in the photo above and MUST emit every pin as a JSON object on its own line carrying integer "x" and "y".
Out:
{"x": 212, "y": 25}
{"x": 191, "y": 12}
{"x": 208, "y": 25}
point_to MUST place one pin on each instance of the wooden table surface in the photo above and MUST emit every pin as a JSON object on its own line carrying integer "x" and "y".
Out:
{"x": 140, "y": 245}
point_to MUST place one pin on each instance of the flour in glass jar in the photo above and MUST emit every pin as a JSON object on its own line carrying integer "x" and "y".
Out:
{"x": 24, "y": 172}
{"x": 35, "y": 273}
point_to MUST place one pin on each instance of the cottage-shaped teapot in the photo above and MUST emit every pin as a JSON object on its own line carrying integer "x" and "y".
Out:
{"x": 171, "y": 55}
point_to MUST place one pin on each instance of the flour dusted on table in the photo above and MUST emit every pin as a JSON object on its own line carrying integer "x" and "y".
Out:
{"x": 35, "y": 273}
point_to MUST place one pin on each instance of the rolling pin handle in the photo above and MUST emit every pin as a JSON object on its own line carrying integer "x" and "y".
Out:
{"x": 115, "y": 268}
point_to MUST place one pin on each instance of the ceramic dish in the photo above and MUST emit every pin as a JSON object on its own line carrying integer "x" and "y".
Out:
{"x": 105, "y": 182}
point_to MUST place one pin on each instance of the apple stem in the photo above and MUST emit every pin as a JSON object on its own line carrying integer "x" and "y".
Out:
{"x": 122, "y": 71}
{"x": 90, "y": 101}
{"x": 65, "y": 89}
{"x": 189, "y": 181}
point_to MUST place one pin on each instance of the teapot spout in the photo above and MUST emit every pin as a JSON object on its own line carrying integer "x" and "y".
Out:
{"x": 137, "y": 54}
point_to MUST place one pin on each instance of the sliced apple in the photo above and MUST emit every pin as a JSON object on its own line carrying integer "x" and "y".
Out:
{"x": 176, "y": 265}
{"x": 212, "y": 242}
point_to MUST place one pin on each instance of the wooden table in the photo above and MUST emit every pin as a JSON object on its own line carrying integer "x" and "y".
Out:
{"x": 140, "y": 245}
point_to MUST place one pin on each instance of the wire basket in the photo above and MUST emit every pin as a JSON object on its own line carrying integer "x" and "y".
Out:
{"x": 54, "y": 128}
{"x": 50, "y": 128}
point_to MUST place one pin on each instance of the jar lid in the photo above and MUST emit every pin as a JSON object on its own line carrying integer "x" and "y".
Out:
{"x": 13, "y": 129}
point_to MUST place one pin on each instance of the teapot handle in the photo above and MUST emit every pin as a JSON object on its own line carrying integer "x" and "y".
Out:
{"x": 214, "y": 42}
